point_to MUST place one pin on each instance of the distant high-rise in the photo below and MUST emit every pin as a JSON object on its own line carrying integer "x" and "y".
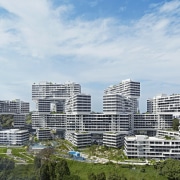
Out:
{"x": 78, "y": 104}
{"x": 19, "y": 109}
{"x": 51, "y": 97}
{"x": 129, "y": 89}
{"x": 116, "y": 104}
{"x": 14, "y": 107}
{"x": 164, "y": 104}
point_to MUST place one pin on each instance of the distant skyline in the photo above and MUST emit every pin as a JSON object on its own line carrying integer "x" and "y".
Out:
{"x": 95, "y": 43}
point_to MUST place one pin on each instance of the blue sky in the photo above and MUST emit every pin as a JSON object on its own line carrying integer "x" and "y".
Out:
{"x": 95, "y": 43}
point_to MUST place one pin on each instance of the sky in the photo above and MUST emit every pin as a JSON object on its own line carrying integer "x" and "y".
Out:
{"x": 94, "y": 43}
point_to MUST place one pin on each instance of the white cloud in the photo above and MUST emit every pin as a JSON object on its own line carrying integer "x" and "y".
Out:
{"x": 170, "y": 6}
{"x": 102, "y": 50}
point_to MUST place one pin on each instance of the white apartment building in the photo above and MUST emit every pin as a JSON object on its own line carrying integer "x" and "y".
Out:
{"x": 19, "y": 120}
{"x": 168, "y": 133}
{"x": 14, "y": 107}
{"x": 164, "y": 104}
{"x": 141, "y": 146}
{"x": 14, "y": 137}
{"x": 48, "y": 90}
{"x": 90, "y": 123}
{"x": 78, "y": 104}
{"x": 117, "y": 104}
{"x": 127, "y": 88}
{"x": 43, "y": 134}
{"x": 152, "y": 121}
{"x": 114, "y": 139}
{"x": 82, "y": 122}
{"x": 79, "y": 139}
{"x": 19, "y": 109}
{"x": 51, "y": 97}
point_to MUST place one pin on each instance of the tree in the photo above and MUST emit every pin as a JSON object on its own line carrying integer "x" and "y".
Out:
{"x": 6, "y": 164}
{"x": 52, "y": 166}
{"x": 114, "y": 176}
{"x": 37, "y": 162}
{"x": 44, "y": 172}
{"x": 91, "y": 176}
{"x": 46, "y": 153}
{"x": 71, "y": 177}
{"x": 101, "y": 176}
{"x": 143, "y": 170}
{"x": 61, "y": 169}
{"x": 4, "y": 175}
{"x": 175, "y": 124}
{"x": 6, "y": 120}
{"x": 170, "y": 168}
{"x": 28, "y": 118}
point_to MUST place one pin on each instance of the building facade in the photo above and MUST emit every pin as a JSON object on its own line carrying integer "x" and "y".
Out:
{"x": 51, "y": 97}
{"x": 141, "y": 146}
{"x": 14, "y": 107}
{"x": 44, "y": 134}
{"x": 14, "y": 137}
{"x": 117, "y": 104}
{"x": 164, "y": 104}
{"x": 152, "y": 121}
{"x": 78, "y": 104}
{"x": 114, "y": 139}
{"x": 82, "y": 122}
{"x": 79, "y": 139}
{"x": 127, "y": 88}
{"x": 18, "y": 109}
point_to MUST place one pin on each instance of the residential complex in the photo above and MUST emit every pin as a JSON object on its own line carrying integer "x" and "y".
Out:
{"x": 64, "y": 108}
{"x": 120, "y": 118}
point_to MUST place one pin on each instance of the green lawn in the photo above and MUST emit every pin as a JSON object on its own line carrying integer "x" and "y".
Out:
{"x": 130, "y": 172}
{"x": 3, "y": 150}
{"x": 19, "y": 152}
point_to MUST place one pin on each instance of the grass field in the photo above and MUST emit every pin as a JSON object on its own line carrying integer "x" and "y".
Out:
{"x": 128, "y": 171}
{"x": 17, "y": 153}
{"x": 3, "y": 150}
{"x": 83, "y": 169}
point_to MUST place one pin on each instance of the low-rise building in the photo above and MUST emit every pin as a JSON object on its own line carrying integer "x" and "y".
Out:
{"x": 44, "y": 134}
{"x": 168, "y": 133}
{"x": 19, "y": 120}
{"x": 164, "y": 104}
{"x": 79, "y": 139}
{"x": 113, "y": 139}
{"x": 14, "y": 137}
{"x": 141, "y": 146}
